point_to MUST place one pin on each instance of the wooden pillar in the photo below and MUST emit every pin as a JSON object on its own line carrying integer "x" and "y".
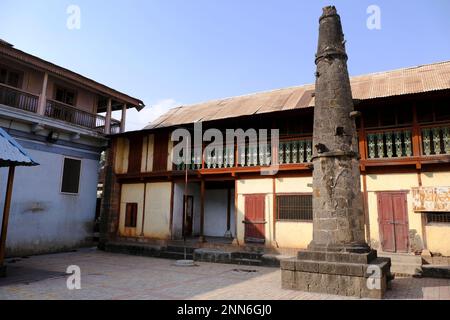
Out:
{"x": 108, "y": 117}
{"x": 5, "y": 219}
{"x": 202, "y": 211}
{"x": 43, "y": 96}
{"x": 416, "y": 134}
{"x": 124, "y": 118}
{"x": 228, "y": 232}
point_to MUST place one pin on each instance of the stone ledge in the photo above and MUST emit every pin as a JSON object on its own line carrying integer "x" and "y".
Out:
{"x": 364, "y": 258}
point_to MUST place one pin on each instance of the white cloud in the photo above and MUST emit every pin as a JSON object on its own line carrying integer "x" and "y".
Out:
{"x": 138, "y": 120}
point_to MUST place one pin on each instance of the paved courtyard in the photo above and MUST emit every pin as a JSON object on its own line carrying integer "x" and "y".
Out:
{"x": 115, "y": 276}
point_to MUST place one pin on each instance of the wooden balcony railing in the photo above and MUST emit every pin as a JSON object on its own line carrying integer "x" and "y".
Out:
{"x": 291, "y": 151}
{"x": 389, "y": 144}
{"x": 436, "y": 140}
{"x": 61, "y": 111}
{"x": 16, "y": 98}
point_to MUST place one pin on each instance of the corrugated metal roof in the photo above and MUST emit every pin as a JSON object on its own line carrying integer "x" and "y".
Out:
{"x": 11, "y": 153}
{"x": 419, "y": 79}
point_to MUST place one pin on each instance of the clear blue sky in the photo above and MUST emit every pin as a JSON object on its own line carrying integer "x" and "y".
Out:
{"x": 185, "y": 51}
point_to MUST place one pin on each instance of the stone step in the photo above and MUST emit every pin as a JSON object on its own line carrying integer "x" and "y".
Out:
{"x": 406, "y": 269}
{"x": 180, "y": 249}
{"x": 176, "y": 255}
{"x": 246, "y": 255}
{"x": 436, "y": 271}
{"x": 247, "y": 262}
{"x": 402, "y": 258}
{"x": 134, "y": 249}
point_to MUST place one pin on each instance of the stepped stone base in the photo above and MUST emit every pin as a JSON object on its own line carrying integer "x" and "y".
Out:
{"x": 345, "y": 274}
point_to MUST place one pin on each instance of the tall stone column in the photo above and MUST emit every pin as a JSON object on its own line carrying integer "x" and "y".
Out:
{"x": 337, "y": 202}
{"x": 338, "y": 260}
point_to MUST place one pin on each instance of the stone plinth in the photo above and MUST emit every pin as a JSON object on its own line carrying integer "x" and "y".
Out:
{"x": 362, "y": 275}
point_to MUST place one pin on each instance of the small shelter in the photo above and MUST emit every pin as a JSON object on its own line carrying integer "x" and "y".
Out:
{"x": 11, "y": 156}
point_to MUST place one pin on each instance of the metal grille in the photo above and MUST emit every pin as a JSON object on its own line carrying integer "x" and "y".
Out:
{"x": 294, "y": 207}
{"x": 438, "y": 217}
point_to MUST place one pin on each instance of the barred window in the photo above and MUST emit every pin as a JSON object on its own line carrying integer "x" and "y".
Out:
{"x": 294, "y": 207}
{"x": 131, "y": 215}
{"x": 443, "y": 217}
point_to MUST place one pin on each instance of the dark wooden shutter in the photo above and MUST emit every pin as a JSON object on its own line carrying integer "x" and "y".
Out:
{"x": 160, "y": 152}
{"x": 131, "y": 215}
{"x": 135, "y": 154}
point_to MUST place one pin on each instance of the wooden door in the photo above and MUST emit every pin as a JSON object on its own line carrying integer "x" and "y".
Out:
{"x": 160, "y": 152}
{"x": 135, "y": 154}
{"x": 188, "y": 215}
{"x": 393, "y": 221}
{"x": 255, "y": 218}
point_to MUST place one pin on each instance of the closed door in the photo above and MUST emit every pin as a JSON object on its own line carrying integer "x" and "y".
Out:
{"x": 393, "y": 221}
{"x": 255, "y": 218}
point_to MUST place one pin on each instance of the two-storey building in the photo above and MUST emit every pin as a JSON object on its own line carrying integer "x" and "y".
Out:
{"x": 404, "y": 145}
{"x": 55, "y": 114}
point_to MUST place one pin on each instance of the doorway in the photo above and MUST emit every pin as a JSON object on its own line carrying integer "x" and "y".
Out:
{"x": 393, "y": 221}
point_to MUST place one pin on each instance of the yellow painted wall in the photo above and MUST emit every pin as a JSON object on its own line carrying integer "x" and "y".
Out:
{"x": 294, "y": 234}
{"x": 435, "y": 179}
{"x": 157, "y": 210}
{"x": 169, "y": 154}
{"x": 438, "y": 239}
{"x": 121, "y": 160}
{"x": 131, "y": 193}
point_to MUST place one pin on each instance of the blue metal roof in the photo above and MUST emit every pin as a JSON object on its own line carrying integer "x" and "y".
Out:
{"x": 12, "y": 153}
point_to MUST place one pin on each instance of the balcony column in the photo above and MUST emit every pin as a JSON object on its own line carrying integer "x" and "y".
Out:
{"x": 124, "y": 118}
{"x": 43, "y": 95}
{"x": 108, "y": 117}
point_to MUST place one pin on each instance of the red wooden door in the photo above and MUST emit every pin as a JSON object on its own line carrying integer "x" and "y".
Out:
{"x": 255, "y": 218}
{"x": 393, "y": 221}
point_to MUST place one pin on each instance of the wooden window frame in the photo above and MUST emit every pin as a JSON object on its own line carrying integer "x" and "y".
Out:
{"x": 12, "y": 70}
{"x": 437, "y": 223}
{"x": 66, "y": 89}
{"x": 131, "y": 209}
{"x": 277, "y": 219}
{"x": 62, "y": 176}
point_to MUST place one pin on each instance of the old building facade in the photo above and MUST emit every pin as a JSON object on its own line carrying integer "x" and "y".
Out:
{"x": 55, "y": 114}
{"x": 404, "y": 147}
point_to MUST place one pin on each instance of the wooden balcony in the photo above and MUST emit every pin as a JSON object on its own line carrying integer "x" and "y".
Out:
{"x": 61, "y": 111}
{"x": 20, "y": 99}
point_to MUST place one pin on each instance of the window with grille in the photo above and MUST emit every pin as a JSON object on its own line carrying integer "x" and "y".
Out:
{"x": 294, "y": 207}
{"x": 71, "y": 176}
{"x": 443, "y": 217}
{"x": 131, "y": 215}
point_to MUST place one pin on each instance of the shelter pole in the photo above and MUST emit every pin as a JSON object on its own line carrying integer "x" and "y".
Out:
{"x": 6, "y": 208}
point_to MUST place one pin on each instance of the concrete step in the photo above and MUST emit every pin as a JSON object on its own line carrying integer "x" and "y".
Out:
{"x": 436, "y": 271}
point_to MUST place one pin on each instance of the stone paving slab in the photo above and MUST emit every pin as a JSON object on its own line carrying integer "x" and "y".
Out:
{"x": 116, "y": 276}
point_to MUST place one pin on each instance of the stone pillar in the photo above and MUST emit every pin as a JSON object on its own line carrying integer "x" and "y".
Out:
{"x": 338, "y": 260}
{"x": 337, "y": 202}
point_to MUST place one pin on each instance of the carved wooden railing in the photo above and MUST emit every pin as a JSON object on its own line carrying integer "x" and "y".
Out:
{"x": 61, "y": 111}
{"x": 392, "y": 143}
{"x": 436, "y": 140}
{"x": 16, "y": 98}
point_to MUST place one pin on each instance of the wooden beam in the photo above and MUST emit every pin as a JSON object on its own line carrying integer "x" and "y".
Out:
{"x": 43, "y": 95}
{"x": 6, "y": 209}
{"x": 416, "y": 136}
{"x": 108, "y": 117}
{"x": 228, "y": 210}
